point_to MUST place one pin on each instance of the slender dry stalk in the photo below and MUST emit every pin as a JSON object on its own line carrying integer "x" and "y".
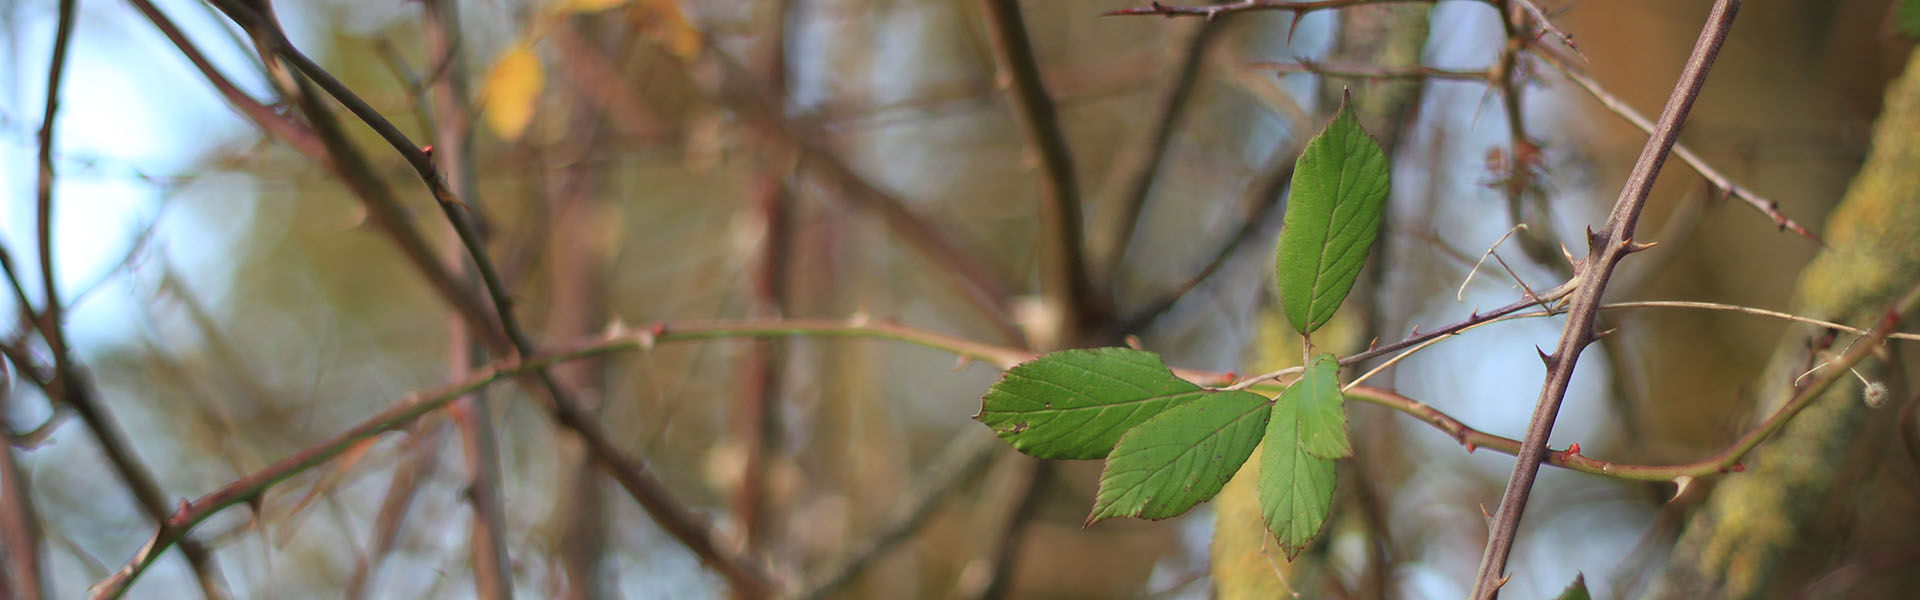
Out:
{"x": 452, "y": 122}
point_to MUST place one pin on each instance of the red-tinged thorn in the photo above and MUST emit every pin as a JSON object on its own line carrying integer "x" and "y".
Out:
{"x": 1573, "y": 449}
{"x": 658, "y": 329}
{"x": 427, "y": 150}
{"x": 1471, "y": 447}
{"x": 1737, "y": 468}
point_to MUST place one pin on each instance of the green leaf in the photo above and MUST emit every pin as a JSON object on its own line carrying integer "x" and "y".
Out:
{"x": 1321, "y": 409}
{"x": 1075, "y": 404}
{"x": 1907, "y": 17}
{"x": 1181, "y": 458}
{"x": 1333, "y": 213}
{"x": 1295, "y": 487}
{"x": 1577, "y": 590}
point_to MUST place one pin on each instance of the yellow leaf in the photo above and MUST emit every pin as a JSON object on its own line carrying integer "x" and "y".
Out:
{"x": 664, "y": 23}
{"x": 586, "y": 6}
{"x": 510, "y": 90}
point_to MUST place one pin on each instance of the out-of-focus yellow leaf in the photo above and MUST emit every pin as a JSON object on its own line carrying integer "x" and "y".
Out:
{"x": 664, "y": 23}
{"x": 586, "y": 6}
{"x": 1247, "y": 561}
{"x": 510, "y": 90}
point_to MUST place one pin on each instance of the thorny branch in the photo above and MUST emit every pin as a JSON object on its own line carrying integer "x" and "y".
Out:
{"x": 69, "y": 383}
{"x": 1605, "y": 250}
{"x": 619, "y": 339}
{"x": 1216, "y": 10}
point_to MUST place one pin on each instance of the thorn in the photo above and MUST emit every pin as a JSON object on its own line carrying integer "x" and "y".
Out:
{"x": 1470, "y": 448}
{"x": 1375, "y": 343}
{"x": 1592, "y": 238}
{"x": 1634, "y": 247}
{"x": 615, "y": 328}
{"x": 1681, "y": 483}
{"x": 427, "y": 150}
{"x": 1133, "y": 341}
{"x": 1737, "y": 468}
{"x": 1416, "y": 331}
{"x": 658, "y": 329}
{"x": 1573, "y": 449}
{"x": 1605, "y": 332}
{"x": 1545, "y": 358}
{"x": 1486, "y": 515}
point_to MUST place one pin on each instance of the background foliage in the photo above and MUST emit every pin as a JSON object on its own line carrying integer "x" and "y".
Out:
{"x": 234, "y": 301}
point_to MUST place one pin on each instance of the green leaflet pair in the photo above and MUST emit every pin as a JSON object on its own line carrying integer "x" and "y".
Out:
{"x": 1171, "y": 444}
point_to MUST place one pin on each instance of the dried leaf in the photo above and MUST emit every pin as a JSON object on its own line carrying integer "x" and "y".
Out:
{"x": 586, "y": 6}
{"x": 510, "y": 90}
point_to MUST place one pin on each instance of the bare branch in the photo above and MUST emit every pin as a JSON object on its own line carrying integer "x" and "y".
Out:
{"x": 1063, "y": 261}
{"x": 1719, "y": 180}
{"x": 1216, "y": 10}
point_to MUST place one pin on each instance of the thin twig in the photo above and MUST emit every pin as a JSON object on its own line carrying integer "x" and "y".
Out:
{"x": 1264, "y": 195}
{"x": 21, "y": 574}
{"x": 70, "y": 384}
{"x": 757, "y": 393}
{"x": 1216, "y": 10}
{"x": 978, "y": 283}
{"x": 1362, "y": 71}
{"x": 1063, "y": 262}
{"x": 1619, "y": 107}
{"x": 283, "y": 127}
{"x": 1138, "y": 167}
{"x": 451, "y": 120}
{"x": 250, "y": 487}
{"x": 962, "y": 461}
{"x": 1606, "y": 247}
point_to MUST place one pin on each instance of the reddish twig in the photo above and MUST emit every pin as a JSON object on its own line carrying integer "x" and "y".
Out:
{"x": 21, "y": 573}
{"x": 69, "y": 384}
{"x": 283, "y": 127}
{"x": 1719, "y": 180}
{"x": 452, "y": 124}
{"x": 1605, "y": 250}
{"x": 1216, "y": 10}
{"x": 1354, "y": 71}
